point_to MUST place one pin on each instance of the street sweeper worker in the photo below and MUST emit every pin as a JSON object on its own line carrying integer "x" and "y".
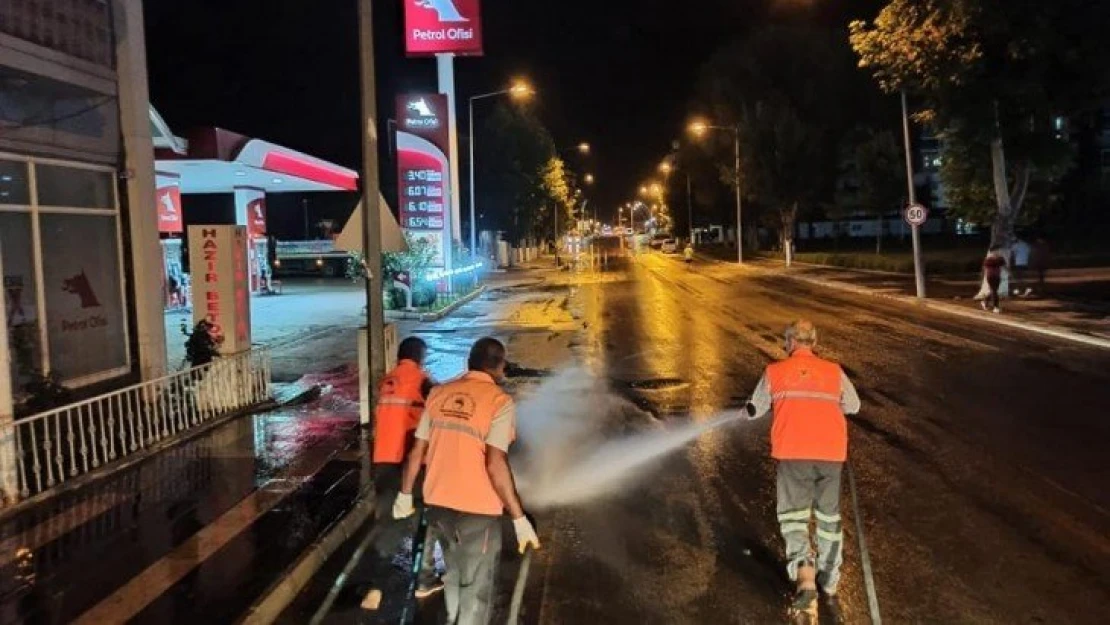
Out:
{"x": 809, "y": 398}
{"x": 400, "y": 404}
{"x": 464, "y": 438}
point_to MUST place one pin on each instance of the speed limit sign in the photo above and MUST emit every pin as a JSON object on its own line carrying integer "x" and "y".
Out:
{"x": 916, "y": 214}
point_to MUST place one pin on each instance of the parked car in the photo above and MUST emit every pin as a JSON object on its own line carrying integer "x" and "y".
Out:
{"x": 669, "y": 246}
{"x": 657, "y": 241}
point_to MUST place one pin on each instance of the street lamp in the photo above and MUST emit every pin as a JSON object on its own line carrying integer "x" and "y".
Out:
{"x": 583, "y": 148}
{"x": 588, "y": 178}
{"x": 519, "y": 90}
{"x": 666, "y": 168}
{"x": 700, "y": 128}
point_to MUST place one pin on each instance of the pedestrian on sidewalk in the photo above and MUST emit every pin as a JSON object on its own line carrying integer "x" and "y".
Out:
{"x": 401, "y": 396}
{"x": 809, "y": 398}
{"x": 1020, "y": 256}
{"x": 994, "y": 266}
{"x": 464, "y": 437}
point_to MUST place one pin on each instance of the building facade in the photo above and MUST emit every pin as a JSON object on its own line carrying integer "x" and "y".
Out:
{"x": 77, "y": 220}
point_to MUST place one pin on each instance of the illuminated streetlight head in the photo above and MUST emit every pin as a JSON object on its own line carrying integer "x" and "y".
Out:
{"x": 666, "y": 167}
{"x": 521, "y": 89}
{"x": 699, "y": 127}
{"x": 589, "y": 178}
{"x": 643, "y": 190}
{"x": 584, "y": 148}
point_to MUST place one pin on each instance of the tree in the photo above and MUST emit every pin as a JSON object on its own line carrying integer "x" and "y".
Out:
{"x": 993, "y": 77}
{"x": 872, "y": 176}
{"x": 793, "y": 92}
{"x": 516, "y": 153}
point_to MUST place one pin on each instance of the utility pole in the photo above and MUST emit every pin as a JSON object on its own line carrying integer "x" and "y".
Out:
{"x": 371, "y": 215}
{"x": 739, "y": 217}
{"x": 690, "y": 208}
{"x": 915, "y": 231}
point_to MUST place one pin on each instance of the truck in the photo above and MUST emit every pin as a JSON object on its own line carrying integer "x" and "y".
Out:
{"x": 317, "y": 257}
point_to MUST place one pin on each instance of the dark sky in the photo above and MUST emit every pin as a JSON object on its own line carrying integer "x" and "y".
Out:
{"x": 618, "y": 73}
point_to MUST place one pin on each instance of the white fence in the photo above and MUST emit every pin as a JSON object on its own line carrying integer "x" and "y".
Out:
{"x": 48, "y": 449}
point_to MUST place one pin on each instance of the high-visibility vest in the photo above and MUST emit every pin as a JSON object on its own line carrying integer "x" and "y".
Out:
{"x": 808, "y": 421}
{"x": 400, "y": 406}
{"x": 461, "y": 414}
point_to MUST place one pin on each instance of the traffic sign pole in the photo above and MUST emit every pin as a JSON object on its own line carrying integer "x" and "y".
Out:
{"x": 918, "y": 263}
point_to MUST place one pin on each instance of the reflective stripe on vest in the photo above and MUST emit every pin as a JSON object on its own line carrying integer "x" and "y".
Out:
{"x": 400, "y": 401}
{"x": 806, "y": 395}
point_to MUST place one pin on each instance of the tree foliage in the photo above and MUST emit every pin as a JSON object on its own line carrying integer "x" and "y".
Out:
{"x": 521, "y": 177}
{"x": 793, "y": 92}
{"x": 991, "y": 77}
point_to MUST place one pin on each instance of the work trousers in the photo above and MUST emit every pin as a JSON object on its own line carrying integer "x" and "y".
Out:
{"x": 808, "y": 488}
{"x": 393, "y": 533}
{"x": 471, "y": 550}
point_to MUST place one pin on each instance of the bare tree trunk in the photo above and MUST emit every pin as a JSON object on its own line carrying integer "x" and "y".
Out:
{"x": 879, "y": 237}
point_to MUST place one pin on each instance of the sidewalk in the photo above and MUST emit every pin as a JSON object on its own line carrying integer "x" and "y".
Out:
{"x": 1077, "y": 301}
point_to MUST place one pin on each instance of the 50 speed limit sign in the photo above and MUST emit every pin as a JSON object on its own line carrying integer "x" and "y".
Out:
{"x": 916, "y": 214}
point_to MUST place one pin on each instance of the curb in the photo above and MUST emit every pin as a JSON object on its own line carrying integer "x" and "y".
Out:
{"x": 402, "y": 315}
{"x": 278, "y": 596}
{"x": 1053, "y": 331}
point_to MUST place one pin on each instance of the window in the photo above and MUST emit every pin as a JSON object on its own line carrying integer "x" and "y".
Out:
{"x": 14, "y": 188}
{"x": 62, "y": 281}
{"x": 74, "y": 188}
{"x": 20, "y": 295}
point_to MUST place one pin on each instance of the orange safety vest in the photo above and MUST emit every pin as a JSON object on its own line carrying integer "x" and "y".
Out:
{"x": 400, "y": 406}
{"x": 461, "y": 414}
{"x": 809, "y": 423}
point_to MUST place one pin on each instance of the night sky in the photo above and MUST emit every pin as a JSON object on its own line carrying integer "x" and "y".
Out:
{"x": 619, "y": 74}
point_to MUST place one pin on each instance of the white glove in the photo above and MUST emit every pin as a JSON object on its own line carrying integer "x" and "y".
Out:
{"x": 402, "y": 506}
{"x": 525, "y": 534}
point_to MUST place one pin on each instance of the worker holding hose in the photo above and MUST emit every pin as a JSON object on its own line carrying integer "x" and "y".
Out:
{"x": 809, "y": 397}
{"x": 464, "y": 438}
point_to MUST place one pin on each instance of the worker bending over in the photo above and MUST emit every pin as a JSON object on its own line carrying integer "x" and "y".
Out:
{"x": 400, "y": 405}
{"x": 464, "y": 438}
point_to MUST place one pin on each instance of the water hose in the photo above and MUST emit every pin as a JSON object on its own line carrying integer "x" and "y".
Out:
{"x": 518, "y": 590}
{"x": 868, "y": 577}
{"x": 417, "y": 562}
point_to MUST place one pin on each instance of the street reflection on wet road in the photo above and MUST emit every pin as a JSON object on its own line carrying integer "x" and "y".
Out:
{"x": 975, "y": 450}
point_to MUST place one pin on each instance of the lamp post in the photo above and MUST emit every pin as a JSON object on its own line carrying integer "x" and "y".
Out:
{"x": 699, "y": 129}
{"x": 519, "y": 89}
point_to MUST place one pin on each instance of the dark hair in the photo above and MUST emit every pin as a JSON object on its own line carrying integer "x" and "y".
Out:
{"x": 488, "y": 354}
{"x": 413, "y": 349}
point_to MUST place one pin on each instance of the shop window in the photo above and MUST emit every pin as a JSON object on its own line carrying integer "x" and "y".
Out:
{"x": 14, "y": 188}
{"x": 74, "y": 188}
{"x": 19, "y": 295}
{"x": 81, "y": 273}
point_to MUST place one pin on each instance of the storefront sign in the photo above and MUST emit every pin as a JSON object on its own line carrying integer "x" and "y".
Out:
{"x": 221, "y": 295}
{"x": 169, "y": 210}
{"x": 443, "y": 27}
{"x": 423, "y": 176}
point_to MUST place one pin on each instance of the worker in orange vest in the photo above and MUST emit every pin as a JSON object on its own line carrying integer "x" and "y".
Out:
{"x": 809, "y": 438}
{"x": 464, "y": 436}
{"x": 400, "y": 404}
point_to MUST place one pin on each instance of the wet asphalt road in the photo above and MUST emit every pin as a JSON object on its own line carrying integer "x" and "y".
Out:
{"x": 980, "y": 456}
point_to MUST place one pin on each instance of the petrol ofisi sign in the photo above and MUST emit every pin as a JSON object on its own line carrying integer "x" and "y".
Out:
{"x": 443, "y": 27}
{"x": 422, "y": 169}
